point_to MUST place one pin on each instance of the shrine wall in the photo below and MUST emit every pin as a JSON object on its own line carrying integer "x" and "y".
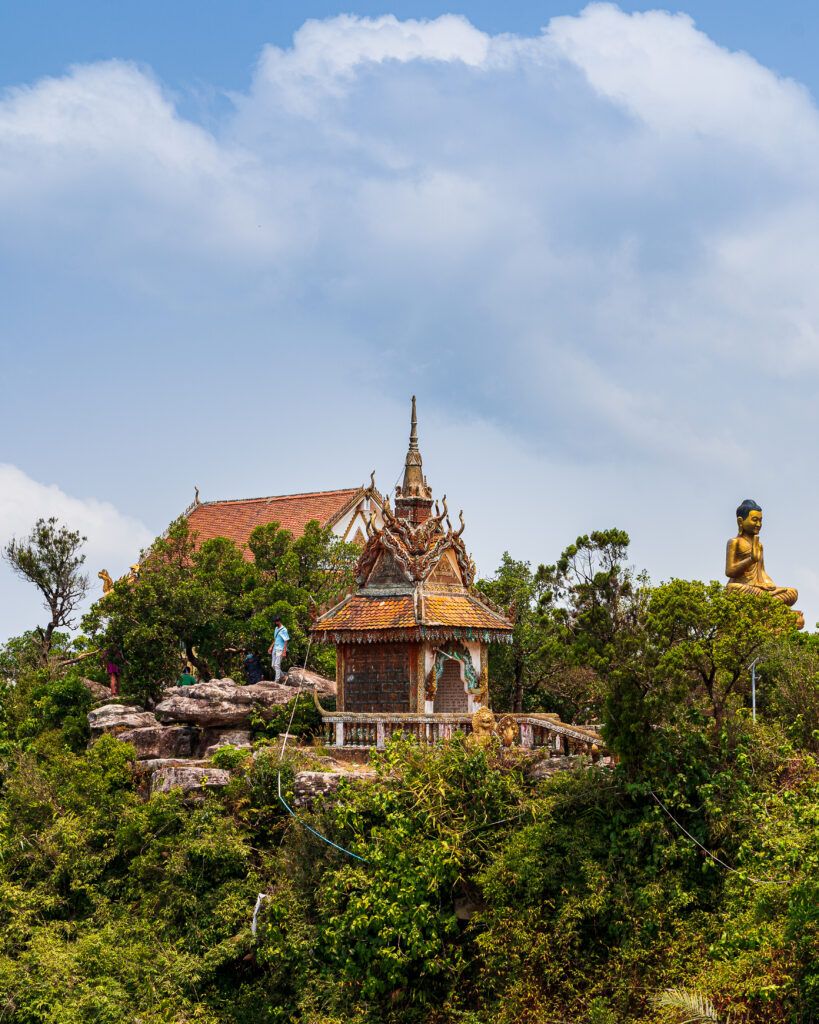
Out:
{"x": 378, "y": 677}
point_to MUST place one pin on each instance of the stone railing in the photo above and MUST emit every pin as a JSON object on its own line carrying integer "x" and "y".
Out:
{"x": 373, "y": 729}
{"x": 367, "y": 730}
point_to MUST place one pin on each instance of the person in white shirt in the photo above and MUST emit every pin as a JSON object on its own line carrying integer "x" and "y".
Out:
{"x": 278, "y": 649}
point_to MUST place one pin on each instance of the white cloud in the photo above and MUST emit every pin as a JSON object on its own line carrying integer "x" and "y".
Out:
{"x": 114, "y": 540}
{"x": 600, "y": 240}
{"x": 679, "y": 82}
{"x": 326, "y": 54}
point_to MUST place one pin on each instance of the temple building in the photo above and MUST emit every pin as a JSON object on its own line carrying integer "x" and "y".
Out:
{"x": 347, "y": 512}
{"x": 415, "y": 635}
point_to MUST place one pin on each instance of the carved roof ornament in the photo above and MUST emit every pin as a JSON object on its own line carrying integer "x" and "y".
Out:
{"x": 415, "y": 484}
{"x": 415, "y": 577}
{"x": 412, "y": 537}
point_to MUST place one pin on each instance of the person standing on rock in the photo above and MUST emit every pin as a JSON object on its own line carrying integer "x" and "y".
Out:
{"x": 278, "y": 649}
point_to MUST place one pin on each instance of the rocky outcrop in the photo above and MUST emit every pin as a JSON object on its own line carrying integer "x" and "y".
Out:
{"x": 213, "y": 739}
{"x": 542, "y": 768}
{"x": 194, "y": 781}
{"x": 221, "y": 702}
{"x": 308, "y": 785}
{"x": 118, "y": 718}
{"x": 308, "y": 680}
{"x": 97, "y": 690}
{"x": 192, "y": 722}
{"x": 160, "y": 741}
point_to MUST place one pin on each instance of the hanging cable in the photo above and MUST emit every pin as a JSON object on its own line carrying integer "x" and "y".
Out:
{"x": 282, "y": 801}
{"x": 758, "y": 881}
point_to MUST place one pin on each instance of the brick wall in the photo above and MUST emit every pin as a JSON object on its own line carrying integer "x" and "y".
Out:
{"x": 377, "y": 676}
{"x": 450, "y": 697}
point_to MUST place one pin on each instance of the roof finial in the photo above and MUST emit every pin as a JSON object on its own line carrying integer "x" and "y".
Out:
{"x": 413, "y": 440}
{"x": 414, "y": 485}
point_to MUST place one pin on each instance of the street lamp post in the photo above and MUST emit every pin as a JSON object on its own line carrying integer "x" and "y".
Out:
{"x": 753, "y": 690}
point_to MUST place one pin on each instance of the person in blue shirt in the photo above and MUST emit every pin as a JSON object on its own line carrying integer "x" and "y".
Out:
{"x": 278, "y": 649}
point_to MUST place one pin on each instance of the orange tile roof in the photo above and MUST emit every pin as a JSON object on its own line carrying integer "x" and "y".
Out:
{"x": 370, "y": 613}
{"x": 461, "y": 610}
{"x": 456, "y": 611}
{"x": 236, "y": 519}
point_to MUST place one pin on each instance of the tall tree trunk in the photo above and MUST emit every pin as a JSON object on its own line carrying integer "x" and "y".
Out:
{"x": 517, "y": 694}
{"x": 46, "y": 640}
{"x": 198, "y": 663}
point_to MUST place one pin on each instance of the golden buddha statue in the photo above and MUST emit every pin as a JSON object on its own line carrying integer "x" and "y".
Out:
{"x": 744, "y": 561}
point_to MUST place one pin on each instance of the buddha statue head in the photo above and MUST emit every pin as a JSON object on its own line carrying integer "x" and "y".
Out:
{"x": 749, "y": 518}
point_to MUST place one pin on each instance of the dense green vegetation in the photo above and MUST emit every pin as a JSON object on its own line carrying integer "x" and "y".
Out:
{"x": 208, "y": 606}
{"x": 688, "y": 872}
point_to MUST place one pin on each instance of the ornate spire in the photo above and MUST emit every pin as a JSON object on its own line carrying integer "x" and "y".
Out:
{"x": 414, "y": 485}
{"x": 414, "y": 490}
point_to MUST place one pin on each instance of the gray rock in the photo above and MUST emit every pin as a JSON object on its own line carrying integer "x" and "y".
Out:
{"x": 97, "y": 690}
{"x": 149, "y": 765}
{"x": 193, "y": 781}
{"x": 220, "y": 702}
{"x": 213, "y": 739}
{"x": 160, "y": 741}
{"x": 308, "y": 785}
{"x": 542, "y": 769}
{"x": 118, "y": 718}
{"x": 308, "y": 680}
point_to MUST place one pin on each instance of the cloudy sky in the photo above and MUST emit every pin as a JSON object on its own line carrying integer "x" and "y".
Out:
{"x": 236, "y": 240}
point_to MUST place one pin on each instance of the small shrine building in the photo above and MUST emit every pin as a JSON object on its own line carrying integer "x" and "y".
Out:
{"x": 414, "y": 637}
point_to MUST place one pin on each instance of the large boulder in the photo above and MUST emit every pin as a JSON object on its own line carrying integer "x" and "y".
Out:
{"x": 118, "y": 718}
{"x": 193, "y": 781}
{"x": 543, "y": 768}
{"x": 308, "y": 680}
{"x": 160, "y": 741}
{"x": 97, "y": 690}
{"x": 307, "y": 785}
{"x": 213, "y": 739}
{"x": 221, "y": 702}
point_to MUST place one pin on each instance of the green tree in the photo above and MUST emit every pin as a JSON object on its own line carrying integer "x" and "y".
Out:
{"x": 50, "y": 558}
{"x": 517, "y": 668}
{"x": 788, "y": 687}
{"x": 594, "y": 595}
{"x": 571, "y": 621}
{"x": 693, "y": 649}
{"x": 210, "y": 604}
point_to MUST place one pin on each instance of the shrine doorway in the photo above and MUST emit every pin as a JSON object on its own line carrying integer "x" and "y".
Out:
{"x": 450, "y": 696}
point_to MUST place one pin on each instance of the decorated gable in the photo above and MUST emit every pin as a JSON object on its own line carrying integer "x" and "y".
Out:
{"x": 386, "y": 571}
{"x": 446, "y": 573}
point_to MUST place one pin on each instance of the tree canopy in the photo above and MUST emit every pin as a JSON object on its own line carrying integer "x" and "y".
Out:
{"x": 50, "y": 558}
{"x": 208, "y": 605}
{"x": 680, "y": 879}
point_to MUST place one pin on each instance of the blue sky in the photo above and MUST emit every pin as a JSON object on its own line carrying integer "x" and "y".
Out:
{"x": 213, "y": 45}
{"x": 235, "y": 241}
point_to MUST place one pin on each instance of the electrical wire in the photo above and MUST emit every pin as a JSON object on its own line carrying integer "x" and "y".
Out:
{"x": 736, "y": 871}
{"x": 282, "y": 801}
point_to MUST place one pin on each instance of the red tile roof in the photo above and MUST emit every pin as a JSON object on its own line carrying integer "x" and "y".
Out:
{"x": 236, "y": 519}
